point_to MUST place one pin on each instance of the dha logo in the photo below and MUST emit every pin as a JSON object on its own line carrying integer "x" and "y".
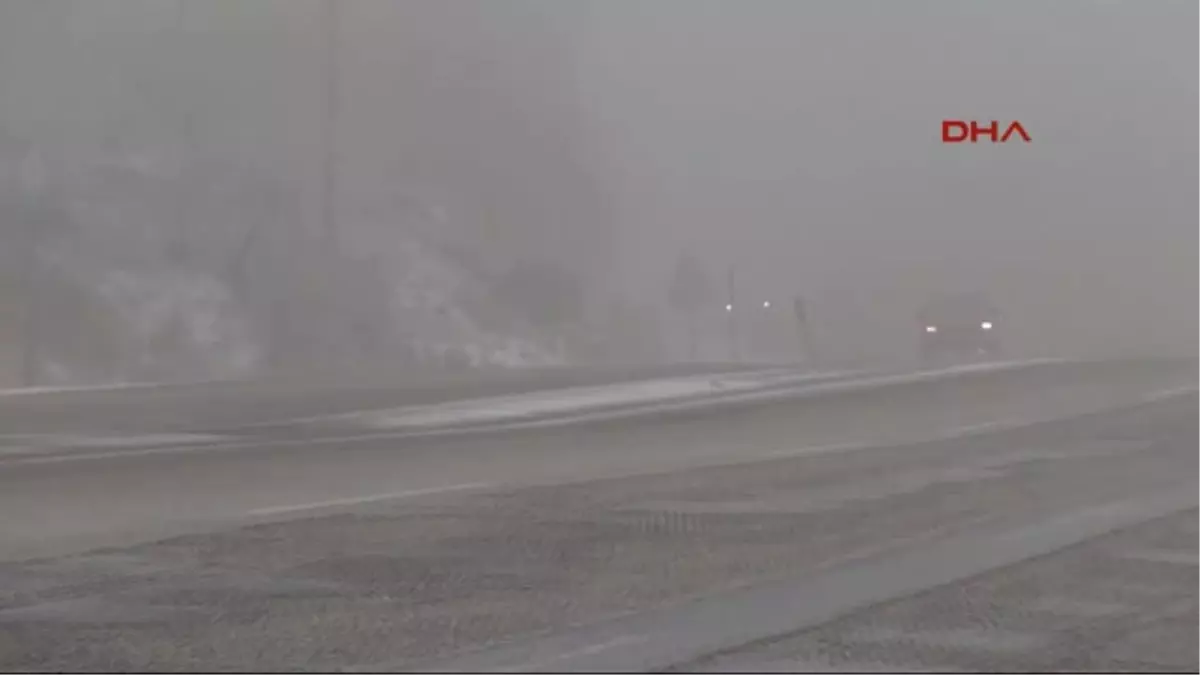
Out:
{"x": 959, "y": 131}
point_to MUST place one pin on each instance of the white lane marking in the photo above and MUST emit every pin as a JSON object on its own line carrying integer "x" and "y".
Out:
{"x": 807, "y": 450}
{"x": 1170, "y": 393}
{"x": 948, "y": 434}
{"x": 34, "y": 391}
{"x": 1169, "y": 556}
{"x": 984, "y": 427}
{"x": 530, "y": 666}
{"x": 969, "y": 638}
{"x": 796, "y": 664}
{"x": 1068, "y": 606}
{"x": 365, "y": 499}
{"x": 82, "y": 442}
{"x": 172, "y": 450}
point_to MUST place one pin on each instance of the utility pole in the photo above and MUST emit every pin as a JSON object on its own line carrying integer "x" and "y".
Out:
{"x": 187, "y": 138}
{"x": 33, "y": 219}
{"x": 808, "y": 351}
{"x": 332, "y": 30}
{"x": 691, "y": 329}
{"x": 731, "y": 310}
{"x": 30, "y": 319}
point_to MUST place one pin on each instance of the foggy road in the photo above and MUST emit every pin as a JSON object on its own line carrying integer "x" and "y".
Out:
{"x": 122, "y": 496}
{"x": 385, "y": 553}
{"x": 598, "y": 336}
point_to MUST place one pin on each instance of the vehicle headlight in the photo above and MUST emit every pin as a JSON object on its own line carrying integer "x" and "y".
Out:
{"x": 930, "y": 329}
{"x": 986, "y": 325}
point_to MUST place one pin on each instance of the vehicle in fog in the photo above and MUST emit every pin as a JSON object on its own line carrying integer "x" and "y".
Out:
{"x": 958, "y": 326}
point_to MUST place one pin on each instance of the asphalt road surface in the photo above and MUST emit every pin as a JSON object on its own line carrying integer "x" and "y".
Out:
{"x": 1125, "y": 602}
{"x": 475, "y": 553}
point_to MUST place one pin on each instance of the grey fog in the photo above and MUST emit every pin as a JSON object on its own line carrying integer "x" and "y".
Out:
{"x": 197, "y": 189}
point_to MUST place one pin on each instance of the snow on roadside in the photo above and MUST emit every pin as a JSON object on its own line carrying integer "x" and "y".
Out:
{"x": 193, "y": 314}
{"x": 33, "y": 391}
{"x": 426, "y": 307}
{"x": 519, "y": 407}
{"x": 41, "y": 441}
{"x": 577, "y": 399}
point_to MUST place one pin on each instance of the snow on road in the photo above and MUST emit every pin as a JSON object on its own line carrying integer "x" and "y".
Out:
{"x": 579, "y": 399}
{"x": 520, "y": 407}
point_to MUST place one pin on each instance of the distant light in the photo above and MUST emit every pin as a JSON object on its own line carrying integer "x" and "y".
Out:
{"x": 986, "y": 325}
{"x": 728, "y": 308}
{"x": 766, "y": 304}
{"x": 930, "y": 329}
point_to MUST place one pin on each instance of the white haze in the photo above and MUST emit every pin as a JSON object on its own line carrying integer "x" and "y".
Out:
{"x": 800, "y": 141}
{"x": 794, "y": 142}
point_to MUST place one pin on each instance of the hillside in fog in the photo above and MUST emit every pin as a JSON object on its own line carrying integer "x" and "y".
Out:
{"x": 168, "y": 163}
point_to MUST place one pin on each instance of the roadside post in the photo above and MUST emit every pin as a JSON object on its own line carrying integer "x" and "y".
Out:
{"x": 803, "y": 332}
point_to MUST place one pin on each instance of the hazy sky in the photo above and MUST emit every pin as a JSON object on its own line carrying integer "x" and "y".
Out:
{"x": 798, "y": 140}
{"x": 801, "y": 141}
